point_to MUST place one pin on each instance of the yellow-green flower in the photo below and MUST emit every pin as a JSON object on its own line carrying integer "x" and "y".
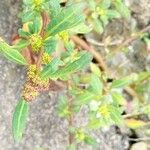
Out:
{"x": 80, "y": 135}
{"x": 36, "y": 42}
{"x": 37, "y": 2}
{"x": 64, "y": 36}
{"x": 46, "y": 58}
{"x": 104, "y": 111}
{"x": 101, "y": 11}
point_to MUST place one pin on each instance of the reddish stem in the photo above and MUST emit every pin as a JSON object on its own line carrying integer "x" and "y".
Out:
{"x": 45, "y": 21}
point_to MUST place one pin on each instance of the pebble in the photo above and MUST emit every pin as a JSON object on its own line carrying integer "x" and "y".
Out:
{"x": 139, "y": 146}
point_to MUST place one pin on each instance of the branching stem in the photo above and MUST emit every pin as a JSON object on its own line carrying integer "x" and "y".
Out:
{"x": 99, "y": 58}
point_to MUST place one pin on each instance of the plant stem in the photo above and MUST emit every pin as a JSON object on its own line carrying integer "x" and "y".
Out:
{"x": 121, "y": 42}
{"x": 45, "y": 22}
{"x": 71, "y": 115}
{"x": 132, "y": 115}
{"x": 139, "y": 139}
{"x": 132, "y": 38}
{"x": 99, "y": 58}
{"x": 85, "y": 46}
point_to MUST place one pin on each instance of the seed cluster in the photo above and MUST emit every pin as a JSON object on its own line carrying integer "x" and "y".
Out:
{"x": 34, "y": 84}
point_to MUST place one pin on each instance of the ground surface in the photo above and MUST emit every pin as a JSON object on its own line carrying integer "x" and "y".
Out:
{"x": 44, "y": 128}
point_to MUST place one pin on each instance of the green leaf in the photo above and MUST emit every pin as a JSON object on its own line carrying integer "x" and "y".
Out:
{"x": 96, "y": 85}
{"x": 143, "y": 88}
{"x": 35, "y": 26}
{"x": 95, "y": 69}
{"x": 90, "y": 140}
{"x": 104, "y": 4}
{"x": 50, "y": 45}
{"x": 63, "y": 108}
{"x": 118, "y": 98}
{"x": 50, "y": 68}
{"x": 23, "y": 33}
{"x": 71, "y": 147}
{"x": 92, "y": 4}
{"x": 123, "y": 9}
{"x": 39, "y": 148}
{"x": 67, "y": 18}
{"x": 28, "y": 16}
{"x": 74, "y": 66}
{"x": 98, "y": 26}
{"x": 142, "y": 76}
{"x": 121, "y": 82}
{"x": 21, "y": 44}
{"x": 3, "y": 45}
{"x": 95, "y": 123}
{"x": 84, "y": 98}
{"x": 15, "y": 56}
{"x": 27, "y": 2}
{"x": 69, "y": 47}
{"x": 81, "y": 29}
{"x": 12, "y": 54}
{"x": 115, "y": 114}
{"x": 20, "y": 119}
{"x": 54, "y": 8}
{"x": 113, "y": 14}
{"x": 104, "y": 20}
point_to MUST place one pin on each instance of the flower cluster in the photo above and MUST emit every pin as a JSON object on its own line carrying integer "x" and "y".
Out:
{"x": 64, "y": 36}
{"x": 36, "y": 42}
{"x": 34, "y": 84}
{"x": 46, "y": 58}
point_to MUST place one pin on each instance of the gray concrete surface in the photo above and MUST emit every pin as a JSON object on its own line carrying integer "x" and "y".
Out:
{"x": 44, "y": 128}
